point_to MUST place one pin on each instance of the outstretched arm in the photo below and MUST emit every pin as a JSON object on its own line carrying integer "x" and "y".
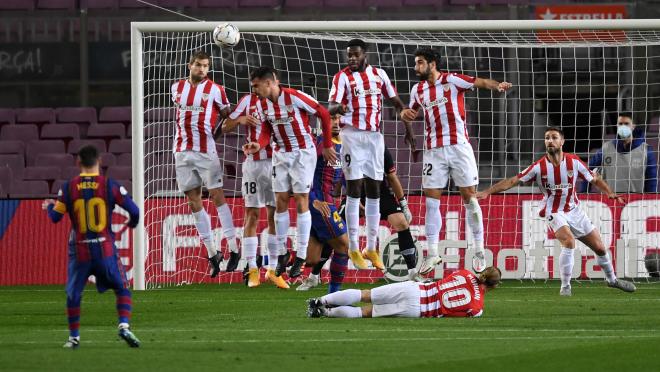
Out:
{"x": 503, "y": 185}
{"x": 600, "y": 183}
{"x": 492, "y": 84}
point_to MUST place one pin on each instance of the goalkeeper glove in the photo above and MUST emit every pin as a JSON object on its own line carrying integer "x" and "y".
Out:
{"x": 404, "y": 208}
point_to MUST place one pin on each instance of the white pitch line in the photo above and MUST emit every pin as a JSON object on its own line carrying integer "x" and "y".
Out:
{"x": 343, "y": 340}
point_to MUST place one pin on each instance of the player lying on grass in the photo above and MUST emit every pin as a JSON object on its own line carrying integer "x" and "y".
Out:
{"x": 556, "y": 174}
{"x": 460, "y": 294}
{"x": 90, "y": 199}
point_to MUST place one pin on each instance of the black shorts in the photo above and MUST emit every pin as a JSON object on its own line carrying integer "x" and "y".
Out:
{"x": 388, "y": 206}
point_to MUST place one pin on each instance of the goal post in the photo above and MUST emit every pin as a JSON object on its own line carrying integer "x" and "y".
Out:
{"x": 573, "y": 74}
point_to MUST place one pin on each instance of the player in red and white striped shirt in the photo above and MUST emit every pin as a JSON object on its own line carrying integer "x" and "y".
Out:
{"x": 287, "y": 114}
{"x": 556, "y": 174}
{"x": 199, "y": 104}
{"x": 257, "y": 189}
{"x": 460, "y": 294}
{"x": 447, "y": 152}
{"x": 357, "y": 96}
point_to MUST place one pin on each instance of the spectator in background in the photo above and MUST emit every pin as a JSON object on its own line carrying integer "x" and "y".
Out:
{"x": 627, "y": 163}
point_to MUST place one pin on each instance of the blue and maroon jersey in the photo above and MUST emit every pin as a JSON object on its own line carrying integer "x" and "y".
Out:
{"x": 326, "y": 175}
{"x": 89, "y": 200}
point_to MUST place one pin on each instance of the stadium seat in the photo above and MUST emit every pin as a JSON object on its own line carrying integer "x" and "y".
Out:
{"x": 120, "y": 173}
{"x": 65, "y": 132}
{"x": 54, "y": 160}
{"x": 424, "y": 2}
{"x": 16, "y": 5}
{"x": 314, "y": 4}
{"x": 391, "y": 142}
{"x": 99, "y": 4}
{"x": 159, "y": 129}
{"x": 7, "y": 116}
{"x": 34, "y": 148}
{"x": 15, "y": 162}
{"x": 6, "y": 175}
{"x": 115, "y": 114}
{"x": 391, "y": 127}
{"x": 56, "y": 4}
{"x": 178, "y": 3}
{"x": 42, "y": 173}
{"x": 76, "y": 115}
{"x": 132, "y": 4}
{"x": 384, "y": 3}
{"x": 125, "y": 160}
{"x": 106, "y": 131}
{"x": 69, "y": 172}
{"x": 259, "y": 3}
{"x": 108, "y": 160}
{"x": 346, "y": 4}
{"x": 217, "y": 4}
{"x": 129, "y": 131}
{"x": 120, "y": 146}
{"x": 25, "y": 133}
{"x": 76, "y": 144}
{"x": 39, "y": 115}
{"x": 29, "y": 189}
{"x": 12, "y": 147}
{"x": 159, "y": 115}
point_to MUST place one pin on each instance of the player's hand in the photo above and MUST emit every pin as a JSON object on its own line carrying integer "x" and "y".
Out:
{"x": 410, "y": 140}
{"x": 251, "y": 148}
{"x": 616, "y": 197}
{"x": 322, "y": 207}
{"x": 504, "y": 86}
{"x": 330, "y": 155}
{"x": 481, "y": 195}
{"x": 405, "y": 209}
{"x": 408, "y": 114}
{"x": 248, "y": 120}
{"x": 46, "y": 203}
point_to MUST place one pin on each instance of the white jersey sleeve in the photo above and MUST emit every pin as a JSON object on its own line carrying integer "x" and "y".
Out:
{"x": 389, "y": 89}
{"x": 241, "y": 108}
{"x": 529, "y": 173}
{"x": 304, "y": 101}
{"x": 220, "y": 97}
{"x": 463, "y": 82}
{"x": 415, "y": 102}
{"x": 583, "y": 171}
{"x": 338, "y": 89}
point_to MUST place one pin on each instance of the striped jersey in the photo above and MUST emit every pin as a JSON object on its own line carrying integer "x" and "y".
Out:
{"x": 251, "y": 105}
{"x": 287, "y": 120}
{"x": 197, "y": 110}
{"x": 557, "y": 183}
{"x": 326, "y": 175}
{"x": 89, "y": 200}
{"x": 362, "y": 92}
{"x": 444, "y": 108}
{"x": 457, "y": 295}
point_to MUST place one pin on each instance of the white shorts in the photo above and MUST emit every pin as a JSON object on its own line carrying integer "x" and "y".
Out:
{"x": 293, "y": 171}
{"x": 576, "y": 220}
{"x": 194, "y": 169}
{"x": 362, "y": 154}
{"x": 398, "y": 299}
{"x": 455, "y": 160}
{"x": 257, "y": 184}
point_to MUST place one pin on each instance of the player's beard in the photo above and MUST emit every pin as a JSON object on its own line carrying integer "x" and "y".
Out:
{"x": 552, "y": 150}
{"x": 425, "y": 74}
{"x": 196, "y": 78}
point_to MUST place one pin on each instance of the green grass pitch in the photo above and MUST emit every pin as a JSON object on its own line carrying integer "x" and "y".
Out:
{"x": 526, "y": 326}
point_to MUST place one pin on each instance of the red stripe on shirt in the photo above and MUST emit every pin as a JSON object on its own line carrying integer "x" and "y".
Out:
{"x": 187, "y": 124}
{"x": 569, "y": 177}
{"x": 202, "y": 116}
{"x": 295, "y": 125}
{"x": 451, "y": 118}
{"x": 557, "y": 192}
{"x": 179, "y": 138}
{"x": 355, "y": 102}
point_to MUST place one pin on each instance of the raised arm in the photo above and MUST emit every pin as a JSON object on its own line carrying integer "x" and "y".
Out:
{"x": 492, "y": 84}
{"x": 503, "y": 185}
{"x": 600, "y": 183}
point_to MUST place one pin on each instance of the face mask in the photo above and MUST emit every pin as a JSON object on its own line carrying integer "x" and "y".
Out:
{"x": 624, "y": 131}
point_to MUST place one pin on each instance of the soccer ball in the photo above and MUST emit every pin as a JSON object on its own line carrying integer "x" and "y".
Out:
{"x": 652, "y": 263}
{"x": 226, "y": 35}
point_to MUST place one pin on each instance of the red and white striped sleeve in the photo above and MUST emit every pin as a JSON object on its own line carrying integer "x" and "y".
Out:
{"x": 173, "y": 91}
{"x": 415, "y": 102}
{"x": 529, "y": 173}
{"x": 304, "y": 101}
{"x": 583, "y": 170}
{"x": 462, "y": 82}
{"x": 220, "y": 97}
{"x": 242, "y": 108}
{"x": 338, "y": 89}
{"x": 390, "y": 89}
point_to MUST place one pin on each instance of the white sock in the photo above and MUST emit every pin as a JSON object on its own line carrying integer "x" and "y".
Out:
{"x": 345, "y": 297}
{"x": 227, "y": 224}
{"x": 372, "y": 214}
{"x": 606, "y": 264}
{"x": 475, "y": 221}
{"x": 282, "y": 228}
{"x": 203, "y": 224}
{"x": 273, "y": 251}
{"x": 303, "y": 227}
{"x": 353, "y": 222}
{"x": 345, "y": 312}
{"x": 566, "y": 261}
{"x": 433, "y": 222}
{"x": 250, "y": 244}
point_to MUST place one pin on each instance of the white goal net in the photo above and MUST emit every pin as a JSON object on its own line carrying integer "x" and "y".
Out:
{"x": 574, "y": 79}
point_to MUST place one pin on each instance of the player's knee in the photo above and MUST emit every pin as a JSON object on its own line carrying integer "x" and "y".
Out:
{"x": 398, "y": 221}
{"x": 367, "y": 311}
{"x": 365, "y": 295}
